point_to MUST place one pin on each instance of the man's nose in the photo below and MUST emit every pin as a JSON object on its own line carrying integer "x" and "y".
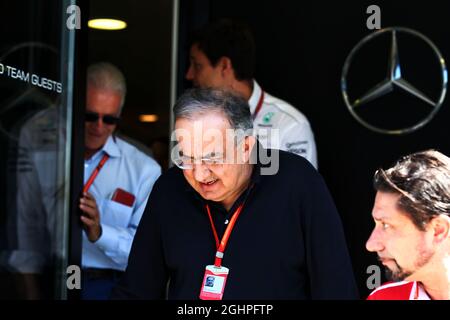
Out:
{"x": 201, "y": 172}
{"x": 99, "y": 124}
{"x": 374, "y": 243}
{"x": 190, "y": 73}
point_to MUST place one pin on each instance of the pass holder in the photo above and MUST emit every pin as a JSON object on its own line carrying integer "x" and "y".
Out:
{"x": 124, "y": 197}
{"x": 214, "y": 281}
{"x": 215, "y": 277}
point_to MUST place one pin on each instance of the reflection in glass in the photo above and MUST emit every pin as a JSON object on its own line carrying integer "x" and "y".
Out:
{"x": 34, "y": 117}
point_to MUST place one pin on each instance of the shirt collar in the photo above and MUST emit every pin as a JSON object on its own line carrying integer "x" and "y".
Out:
{"x": 111, "y": 147}
{"x": 418, "y": 292}
{"x": 254, "y": 98}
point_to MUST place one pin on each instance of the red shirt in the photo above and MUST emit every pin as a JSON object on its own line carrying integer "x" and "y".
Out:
{"x": 403, "y": 290}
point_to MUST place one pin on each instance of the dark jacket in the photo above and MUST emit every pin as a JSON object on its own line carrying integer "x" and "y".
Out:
{"x": 288, "y": 242}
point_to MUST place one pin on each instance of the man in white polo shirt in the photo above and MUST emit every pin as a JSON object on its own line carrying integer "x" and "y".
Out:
{"x": 222, "y": 55}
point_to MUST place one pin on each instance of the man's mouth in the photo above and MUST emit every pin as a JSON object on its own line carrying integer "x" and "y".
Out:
{"x": 385, "y": 261}
{"x": 211, "y": 182}
{"x": 95, "y": 134}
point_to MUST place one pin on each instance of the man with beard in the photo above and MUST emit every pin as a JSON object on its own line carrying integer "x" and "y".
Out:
{"x": 412, "y": 227}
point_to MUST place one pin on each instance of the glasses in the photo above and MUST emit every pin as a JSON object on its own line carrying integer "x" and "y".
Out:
{"x": 213, "y": 160}
{"x": 187, "y": 163}
{"x": 107, "y": 119}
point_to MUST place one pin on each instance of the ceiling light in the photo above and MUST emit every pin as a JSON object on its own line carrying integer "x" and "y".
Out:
{"x": 148, "y": 118}
{"x": 107, "y": 24}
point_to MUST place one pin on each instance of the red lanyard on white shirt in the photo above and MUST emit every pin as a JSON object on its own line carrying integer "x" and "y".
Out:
{"x": 259, "y": 105}
{"x": 95, "y": 173}
{"x": 223, "y": 243}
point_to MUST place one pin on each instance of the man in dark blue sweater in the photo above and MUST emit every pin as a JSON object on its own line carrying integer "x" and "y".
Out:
{"x": 233, "y": 220}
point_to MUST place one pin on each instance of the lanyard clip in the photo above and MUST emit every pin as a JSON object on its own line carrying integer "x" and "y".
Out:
{"x": 218, "y": 260}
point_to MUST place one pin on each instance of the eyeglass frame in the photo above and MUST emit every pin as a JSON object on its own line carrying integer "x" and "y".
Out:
{"x": 107, "y": 119}
{"x": 205, "y": 160}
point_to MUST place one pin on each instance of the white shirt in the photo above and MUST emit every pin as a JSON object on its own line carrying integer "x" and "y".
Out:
{"x": 292, "y": 130}
{"x": 128, "y": 169}
{"x": 36, "y": 198}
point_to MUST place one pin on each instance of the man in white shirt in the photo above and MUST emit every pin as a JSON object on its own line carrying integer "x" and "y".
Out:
{"x": 222, "y": 55}
{"x": 118, "y": 179}
{"x": 412, "y": 228}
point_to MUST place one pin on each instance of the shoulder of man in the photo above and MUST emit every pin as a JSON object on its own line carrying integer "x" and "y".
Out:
{"x": 169, "y": 186}
{"x": 288, "y": 168}
{"x": 173, "y": 180}
{"x": 285, "y": 112}
{"x": 393, "y": 291}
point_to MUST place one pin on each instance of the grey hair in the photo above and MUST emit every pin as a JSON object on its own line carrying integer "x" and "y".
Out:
{"x": 105, "y": 76}
{"x": 199, "y": 101}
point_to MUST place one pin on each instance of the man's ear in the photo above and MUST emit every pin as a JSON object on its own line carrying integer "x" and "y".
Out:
{"x": 441, "y": 228}
{"x": 247, "y": 147}
{"x": 226, "y": 67}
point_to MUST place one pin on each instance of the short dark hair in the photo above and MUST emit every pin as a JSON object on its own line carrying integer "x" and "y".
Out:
{"x": 228, "y": 38}
{"x": 423, "y": 181}
{"x": 199, "y": 101}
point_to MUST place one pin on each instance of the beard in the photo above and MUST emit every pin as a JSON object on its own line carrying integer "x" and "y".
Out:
{"x": 397, "y": 275}
{"x": 400, "y": 273}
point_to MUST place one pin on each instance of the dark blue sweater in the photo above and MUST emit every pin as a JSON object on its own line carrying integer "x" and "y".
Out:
{"x": 288, "y": 242}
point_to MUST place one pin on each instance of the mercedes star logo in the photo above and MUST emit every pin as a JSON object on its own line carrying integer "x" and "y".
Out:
{"x": 394, "y": 81}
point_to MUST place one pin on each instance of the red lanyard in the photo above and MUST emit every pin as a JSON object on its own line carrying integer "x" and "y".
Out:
{"x": 223, "y": 243}
{"x": 95, "y": 173}
{"x": 259, "y": 105}
{"x": 416, "y": 294}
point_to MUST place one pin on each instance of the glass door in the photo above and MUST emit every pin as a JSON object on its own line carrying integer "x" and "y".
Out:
{"x": 37, "y": 50}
